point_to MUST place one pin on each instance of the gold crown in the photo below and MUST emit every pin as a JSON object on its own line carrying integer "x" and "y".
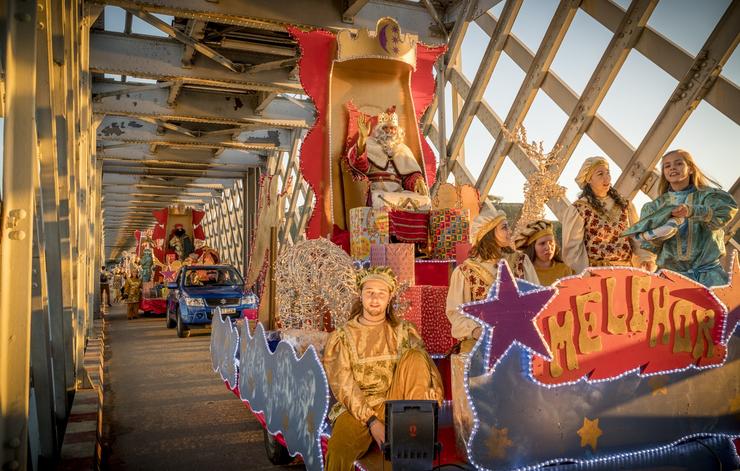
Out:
{"x": 387, "y": 43}
{"x": 388, "y": 117}
{"x": 384, "y": 274}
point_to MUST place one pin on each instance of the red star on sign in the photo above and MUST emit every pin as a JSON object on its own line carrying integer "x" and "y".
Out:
{"x": 511, "y": 313}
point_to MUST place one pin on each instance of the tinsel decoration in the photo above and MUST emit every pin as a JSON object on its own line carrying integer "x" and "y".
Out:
{"x": 540, "y": 185}
{"x": 314, "y": 284}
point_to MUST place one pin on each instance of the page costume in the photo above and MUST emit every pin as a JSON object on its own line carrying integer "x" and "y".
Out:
{"x": 697, "y": 246}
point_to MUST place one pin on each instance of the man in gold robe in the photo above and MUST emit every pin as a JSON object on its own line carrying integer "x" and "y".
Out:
{"x": 372, "y": 358}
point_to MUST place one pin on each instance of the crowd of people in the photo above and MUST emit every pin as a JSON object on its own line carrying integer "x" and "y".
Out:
{"x": 119, "y": 285}
{"x": 376, "y": 357}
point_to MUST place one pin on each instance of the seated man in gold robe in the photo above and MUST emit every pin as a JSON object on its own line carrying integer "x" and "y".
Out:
{"x": 395, "y": 176}
{"x": 372, "y": 358}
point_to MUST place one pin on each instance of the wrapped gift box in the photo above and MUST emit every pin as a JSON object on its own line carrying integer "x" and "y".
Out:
{"x": 410, "y": 302}
{"x": 447, "y": 228}
{"x": 366, "y": 226}
{"x": 409, "y": 226}
{"x": 399, "y": 257}
{"x": 435, "y": 327}
{"x": 433, "y": 272}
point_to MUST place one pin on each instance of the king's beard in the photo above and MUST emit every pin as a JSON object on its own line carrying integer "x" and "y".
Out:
{"x": 388, "y": 141}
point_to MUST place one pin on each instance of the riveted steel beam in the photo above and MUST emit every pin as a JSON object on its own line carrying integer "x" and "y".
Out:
{"x": 482, "y": 77}
{"x": 159, "y": 59}
{"x": 195, "y": 106}
{"x": 549, "y": 47}
{"x": 264, "y": 14}
{"x": 19, "y": 167}
{"x": 689, "y": 92}
{"x": 187, "y": 40}
{"x": 724, "y": 95}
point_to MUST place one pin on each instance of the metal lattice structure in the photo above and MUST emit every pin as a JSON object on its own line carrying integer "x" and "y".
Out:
{"x": 106, "y": 121}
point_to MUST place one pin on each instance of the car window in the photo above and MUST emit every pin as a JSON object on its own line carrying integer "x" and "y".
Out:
{"x": 225, "y": 276}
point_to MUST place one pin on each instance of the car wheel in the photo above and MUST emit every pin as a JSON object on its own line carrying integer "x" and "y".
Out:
{"x": 276, "y": 453}
{"x": 182, "y": 331}
{"x": 171, "y": 323}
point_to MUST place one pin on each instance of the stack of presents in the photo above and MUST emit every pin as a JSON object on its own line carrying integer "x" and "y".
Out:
{"x": 422, "y": 248}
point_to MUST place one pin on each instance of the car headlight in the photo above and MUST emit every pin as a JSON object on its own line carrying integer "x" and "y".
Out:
{"x": 194, "y": 302}
{"x": 249, "y": 299}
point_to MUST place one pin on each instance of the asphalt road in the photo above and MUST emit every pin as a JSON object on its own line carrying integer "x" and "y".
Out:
{"x": 166, "y": 409}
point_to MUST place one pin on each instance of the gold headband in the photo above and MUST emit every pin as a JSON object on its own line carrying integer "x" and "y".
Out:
{"x": 383, "y": 274}
{"x": 588, "y": 168}
{"x": 538, "y": 234}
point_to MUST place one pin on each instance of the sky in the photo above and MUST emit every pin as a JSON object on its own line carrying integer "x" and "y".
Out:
{"x": 634, "y": 100}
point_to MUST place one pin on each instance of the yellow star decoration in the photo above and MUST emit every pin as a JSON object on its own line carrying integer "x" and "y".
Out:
{"x": 590, "y": 433}
{"x": 498, "y": 442}
{"x": 657, "y": 384}
{"x": 735, "y": 405}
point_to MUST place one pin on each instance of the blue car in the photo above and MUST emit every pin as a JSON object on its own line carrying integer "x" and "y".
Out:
{"x": 199, "y": 290}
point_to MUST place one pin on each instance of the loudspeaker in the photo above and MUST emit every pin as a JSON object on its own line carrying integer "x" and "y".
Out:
{"x": 411, "y": 434}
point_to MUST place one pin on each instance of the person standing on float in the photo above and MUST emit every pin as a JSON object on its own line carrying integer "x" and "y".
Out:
{"x": 684, "y": 226}
{"x": 372, "y": 358}
{"x": 593, "y": 225}
{"x": 471, "y": 280}
{"x": 537, "y": 241}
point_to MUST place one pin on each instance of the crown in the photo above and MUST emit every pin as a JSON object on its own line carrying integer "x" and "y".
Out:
{"x": 388, "y": 117}
{"x": 387, "y": 43}
{"x": 384, "y": 274}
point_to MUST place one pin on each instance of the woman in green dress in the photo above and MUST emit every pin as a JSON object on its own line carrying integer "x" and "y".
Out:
{"x": 684, "y": 226}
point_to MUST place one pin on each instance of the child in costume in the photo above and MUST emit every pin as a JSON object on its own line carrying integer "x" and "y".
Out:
{"x": 593, "y": 225}
{"x": 491, "y": 239}
{"x": 537, "y": 241}
{"x": 684, "y": 226}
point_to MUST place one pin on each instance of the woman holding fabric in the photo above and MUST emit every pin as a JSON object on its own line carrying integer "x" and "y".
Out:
{"x": 491, "y": 239}
{"x": 593, "y": 225}
{"x": 537, "y": 241}
{"x": 684, "y": 226}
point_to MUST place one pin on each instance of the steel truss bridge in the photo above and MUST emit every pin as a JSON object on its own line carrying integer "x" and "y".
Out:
{"x": 104, "y": 124}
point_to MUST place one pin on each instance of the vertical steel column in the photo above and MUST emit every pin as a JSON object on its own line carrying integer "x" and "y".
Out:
{"x": 19, "y": 164}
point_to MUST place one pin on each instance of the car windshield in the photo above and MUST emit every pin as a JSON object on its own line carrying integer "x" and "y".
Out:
{"x": 212, "y": 277}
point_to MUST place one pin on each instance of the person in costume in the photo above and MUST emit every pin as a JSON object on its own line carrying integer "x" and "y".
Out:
{"x": 372, "y": 358}
{"x": 388, "y": 163}
{"x": 684, "y": 226}
{"x": 537, "y": 240}
{"x": 180, "y": 242}
{"x": 593, "y": 225}
{"x": 132, "y": 290}
{"x": 471, "y": 280}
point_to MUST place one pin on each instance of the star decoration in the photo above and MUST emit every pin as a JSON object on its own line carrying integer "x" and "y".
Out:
{"x": 498, "y": 442}
{"x": 729, "y": 294}
{"x": 657, "y": 384}
{"x": 590, "y": 433}
{"x": 169, "y": 276}
{"x": 511, "y": 313}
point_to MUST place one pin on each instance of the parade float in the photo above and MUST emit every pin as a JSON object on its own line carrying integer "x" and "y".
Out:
{"x": 177, "y": 239}
{"x": 614, "y": 366}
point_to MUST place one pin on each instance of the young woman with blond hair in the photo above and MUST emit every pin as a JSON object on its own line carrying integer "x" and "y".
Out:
{"x": 684, "y": 226}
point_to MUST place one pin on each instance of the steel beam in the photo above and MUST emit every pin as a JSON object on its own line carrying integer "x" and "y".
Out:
{"x": 19, "y": 168}
{"x": 195, "y": 106}
{"x": 264, "y": 14}
{"x": 482, "y": 77}
{"x": 685, "y": 98}
{"x": 724, "y": 95}
{"x": 159, "y": 59}
{"x": 549, "y": 47}
{"x": 187, "y": 40}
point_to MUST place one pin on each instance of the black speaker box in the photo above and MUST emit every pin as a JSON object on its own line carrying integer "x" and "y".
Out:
{"x": 411, "y": 434}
